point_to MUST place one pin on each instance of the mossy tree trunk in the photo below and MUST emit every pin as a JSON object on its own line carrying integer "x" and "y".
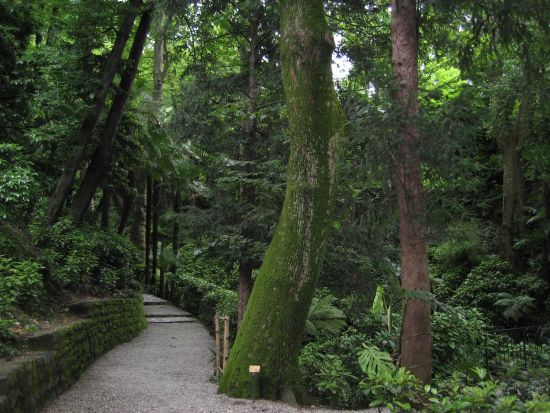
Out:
{"x": 248, "y": 153}
{"x": 274, "y": 321}
{"x": 415, "y": 333}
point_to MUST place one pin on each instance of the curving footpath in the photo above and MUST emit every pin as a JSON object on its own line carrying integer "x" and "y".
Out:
{"x": 166, "y": 369}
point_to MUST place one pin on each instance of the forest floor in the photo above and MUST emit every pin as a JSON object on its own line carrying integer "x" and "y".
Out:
{"x": 165, "y": 369}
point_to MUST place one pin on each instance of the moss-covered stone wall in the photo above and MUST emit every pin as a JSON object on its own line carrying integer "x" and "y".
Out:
{"x": 58, "y": 359}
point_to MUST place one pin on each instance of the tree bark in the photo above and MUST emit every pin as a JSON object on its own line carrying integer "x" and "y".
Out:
{"x": 127, "y": 203}
{"x": 248, "y": 154}
{"x": 175, "y": 227}
{"x": 137, "y": 231}
{"x": 415, "y": 334}
{"x": 273, "y": 324}
{"x": 112, "y": 64}
{"x": 155, "y": 233}
{"x": 513, "y": 183}
{"x": 148, "y": 220}
{"x": 105, "y": 207}
{"x": 545, "y": 265}
{"x": 102, "y": 156}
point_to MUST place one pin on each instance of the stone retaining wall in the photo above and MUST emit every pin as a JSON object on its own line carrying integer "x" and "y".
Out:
{"x": 58, "y": 358}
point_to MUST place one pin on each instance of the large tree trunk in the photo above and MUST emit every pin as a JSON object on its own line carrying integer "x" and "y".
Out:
{"x": 106, "y": 207}
{"x": 513, "y": 182}
{"x": 148, "y": 220}
{"x": 415, "y": 334}
{"x": 545, "y": 265}
{"x": 127, "y": 203}
{"x": 273, "y": 325}
{"x": 112, "y": 64}
{"x": 176, "y": 227}
{"x": 248, "y": 153}
{"x": 155, "y": 233}
{"x": 137, "y": 231}
{"x": 102, "y": 156}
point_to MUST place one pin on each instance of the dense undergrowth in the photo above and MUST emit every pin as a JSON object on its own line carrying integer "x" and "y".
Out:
{"x": 46, "y": 263}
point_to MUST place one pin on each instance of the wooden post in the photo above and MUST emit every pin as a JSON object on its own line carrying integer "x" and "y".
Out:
{"x": 225, "y": 340}
{"x": 217, "y": 329}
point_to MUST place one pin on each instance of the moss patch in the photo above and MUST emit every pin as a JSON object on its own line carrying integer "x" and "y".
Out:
{"x": 59, "y": 357}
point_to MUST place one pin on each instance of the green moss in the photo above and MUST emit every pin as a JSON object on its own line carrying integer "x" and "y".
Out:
{"x": 33, "y": 381}
{"x": 272, "y": 328}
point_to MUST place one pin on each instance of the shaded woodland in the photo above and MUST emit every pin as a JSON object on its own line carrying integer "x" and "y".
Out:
{"x": 363, "y": 187}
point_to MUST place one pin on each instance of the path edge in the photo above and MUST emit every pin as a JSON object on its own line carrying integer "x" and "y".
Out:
{"x": 58, "y": 359}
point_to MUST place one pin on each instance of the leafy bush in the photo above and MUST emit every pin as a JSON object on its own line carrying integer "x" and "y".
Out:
{"x": 458, "y": 334}
{"x": 452, "y": 260}
{"x": 397, "y": 389}
{"x": 20, "y": 283}
{"x": 203, "y": 285}
{"x": 7, "y": 339}
{"x": 17, "y": 181}
{"x": 87, "y": 258}
{"x": 476, "y": 394}
{"x": 327, "y": 378}
{"x": 488, "y": 283}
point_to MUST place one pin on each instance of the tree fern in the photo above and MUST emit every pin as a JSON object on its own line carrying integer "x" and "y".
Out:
{"x": 324, "y": 317}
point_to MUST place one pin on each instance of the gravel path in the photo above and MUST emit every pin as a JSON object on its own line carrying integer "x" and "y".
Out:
{"x": 165, "y": 369}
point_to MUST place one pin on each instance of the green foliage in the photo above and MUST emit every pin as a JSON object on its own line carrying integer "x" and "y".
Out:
{"x": 458, "y": 338}
{"x": 324, "y": 318}
{"x": 204, "y": 286}
{"x": 8, "y": 339}
{"x": 327, "y": 378}
{"x": 88, "y": 258}
{"x": 17, "y": 181}
{"x": 396, "y": 389}
{"x": 374, "y": 362}
{"x": 482, "y": 286}
{"x": 20, "y": 283}
{"x": 515, "y": 307}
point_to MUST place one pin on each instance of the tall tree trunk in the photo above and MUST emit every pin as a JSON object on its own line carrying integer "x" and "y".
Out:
{"x": 513, "y": 183}
{"x": 155, "y": 233}
{"x": 545, "y": 265}
{"x": 274, "y": 322}
{"x": 176, "y": 227}
{"x": 248, "y": 154}
{"x": 415, "y": 334}
{"x": 112, "y": 64}
{"x": 137, "y": 231}
{"x": 105, "y": 207}
{"x": 102, "y": 156}
{"x": 148, "y": 220}
{"x": 127, "y": 203}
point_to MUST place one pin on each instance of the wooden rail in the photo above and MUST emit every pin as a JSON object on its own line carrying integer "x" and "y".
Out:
{"x": 222, "y": 352}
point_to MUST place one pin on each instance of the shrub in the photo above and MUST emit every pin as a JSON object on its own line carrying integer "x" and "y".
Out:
{"x": 458, "y": 336}
{"x": 204, "y": 286}
{"x": 87, "y": 258}
{"x": 396, "y": 389}
{"x": 326, "y": 376}
{"x": 482, "y": 287}
{"x": 17, "y": 181}
{"x": 20, "y": 283}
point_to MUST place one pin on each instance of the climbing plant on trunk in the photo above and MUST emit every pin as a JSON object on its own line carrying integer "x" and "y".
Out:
{"x": 274, "y": 321}
{"x": 415, "y": 333}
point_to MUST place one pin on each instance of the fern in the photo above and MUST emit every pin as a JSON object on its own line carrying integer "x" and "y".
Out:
{"x": 515, "y": 307}
{"x": 374, "y": 361}
{"x": 324, "y": 317}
